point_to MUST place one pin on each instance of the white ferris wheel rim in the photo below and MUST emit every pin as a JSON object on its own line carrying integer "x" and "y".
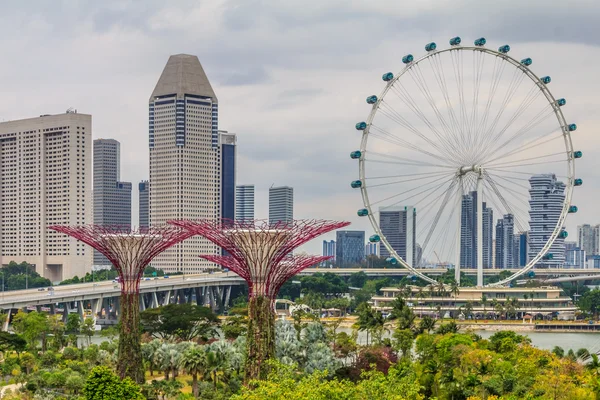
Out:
{"x": 568, "y": 149}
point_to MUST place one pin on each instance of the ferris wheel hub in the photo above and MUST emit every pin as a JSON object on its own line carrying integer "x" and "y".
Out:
{"x": 478, "y": 169}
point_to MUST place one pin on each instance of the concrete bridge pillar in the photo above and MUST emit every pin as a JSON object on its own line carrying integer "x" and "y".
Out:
{"x": 7, "y": 320}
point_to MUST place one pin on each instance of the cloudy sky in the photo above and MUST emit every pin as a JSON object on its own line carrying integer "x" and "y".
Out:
{"x": 291, "y": 77}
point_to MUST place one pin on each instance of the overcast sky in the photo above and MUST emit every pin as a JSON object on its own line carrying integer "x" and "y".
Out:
{"x": 291, "y": 77}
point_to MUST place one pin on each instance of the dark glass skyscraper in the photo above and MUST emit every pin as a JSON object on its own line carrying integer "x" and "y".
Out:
{"x": 228, "y": 158}
{"x": 468, "y": 234}
{"x": 505, "y": 242}
{"x": 349, "y": 248}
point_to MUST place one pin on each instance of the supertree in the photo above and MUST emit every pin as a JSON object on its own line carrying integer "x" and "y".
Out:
{"x": 129, "y": 251}
{"x": 260, "y": 252}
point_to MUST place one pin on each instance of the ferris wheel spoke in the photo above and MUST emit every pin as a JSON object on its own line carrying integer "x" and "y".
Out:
{"x": 370, "y": 178}
{"x": 439, "y": 213}
{"x": 515, "y": 162}
{"x": 390, "y": 138}
{"x": 412, "y": 190}
{"x": 535, "y": 121}
{"x": 410, "y": 160}
{"x": 442, "y": 235}
{"x": 529, "y": 145}
{"x": 414, "y": 107}
{"x": 417, "y": 76}
{"x": 403, "y": 181}
{"x": 497, "y": 74}
{"x": 478, "y": 63}
{"x": 440, "y": 78}
{"x": 526, "y": 103}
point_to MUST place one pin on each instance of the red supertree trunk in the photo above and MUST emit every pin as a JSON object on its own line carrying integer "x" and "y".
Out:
{"x": 260, "y": 253}
{"x": 129, "y": 252}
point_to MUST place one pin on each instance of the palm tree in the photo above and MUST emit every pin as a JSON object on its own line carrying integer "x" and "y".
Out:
{"x": 484, "y": 301}
{"x": 455, "y": 290}
{"x": 148, "y": 353}
{"x": 193, "y": 361}
{"x": 469, "y": 308}
{"x": 499, "y": 308}
{"x": 420, "y": 297}
{"x": 441, "y": 290}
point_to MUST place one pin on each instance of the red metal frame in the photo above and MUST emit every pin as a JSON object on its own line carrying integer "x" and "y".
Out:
{"x": 259, "y": 251}
{"x": 130, "y": 251}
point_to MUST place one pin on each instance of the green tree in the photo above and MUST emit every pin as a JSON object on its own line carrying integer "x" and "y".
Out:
{"x": 402, "y": 313}
{"x": 12, "y": 341}
{"x": 590, "y": 302}
{"x": 234, "y": 326}
{"x": 369, "y": 319}
{"x": 403, "y": 341}
{"x": 88, "y": 329}
{"x": 194, "y": 362}
{"x": 358, "y": 279}
{"x": 73, "y": 323}
{"x": 427, "y": 324}
{"x": 103, "y": 384}
{"x": 33, "y": 326}
{"x": 180, "y": 321}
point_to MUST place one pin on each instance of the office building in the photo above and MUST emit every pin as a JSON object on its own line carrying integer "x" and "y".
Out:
{"x": 281, "y": 204}
{"x": 349, "y": 248}
{"x": 505, "y": 242}
{"x": 468, "y": 233}
{"x": 371, "y": 249}
{"x": 547, "y": 196}
{"x": 144, "y": 204}
{"x": 228, "y": 161}
{"x": 244, "y": 203}
{"x": 185, "y": 181}
{"x": 520, "y": 250}
{"x": 112, "y": 198}
{"x": 399, "y": 226}
{"x": 329, "y": 251}
{"x": 46, "y": 179}
{"x": 588, "y": 238}
{"x": 575, "y": 258}
{"x": 593, "y": 262}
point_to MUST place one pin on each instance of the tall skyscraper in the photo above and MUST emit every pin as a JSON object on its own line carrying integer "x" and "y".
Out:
{"x": 244, "y": 202}
{"x": 399, "y": 226}
{"x": 575, "y": 258}
{"x": 281, "y": 204}
{"x": 329, "y": 251}
{"x": 505, "y": 242}
{"x": 46, "y": 179}
{"x": 520, "y": 249}
{"x": 588, "y": 238}
{"x": 112, "y": 198}
{"x": 349, "y": 248}
{"x": 228, "y": 161}
{"x": 185, "y": 181}
{"x": 545, "y": 206}
{"x": 371, "y": 249}
{"x": 144, "y": 204}
{"x": 468, "y": 233}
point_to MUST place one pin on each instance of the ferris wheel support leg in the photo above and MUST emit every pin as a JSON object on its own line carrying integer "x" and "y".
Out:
{"x": 479, "y": 231}
{"x": 458, "y": 237}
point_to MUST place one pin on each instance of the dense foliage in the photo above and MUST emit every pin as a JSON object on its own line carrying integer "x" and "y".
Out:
{"x": 20, "y": 276}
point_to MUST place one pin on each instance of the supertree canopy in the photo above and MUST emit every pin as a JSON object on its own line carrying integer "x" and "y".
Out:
{"x": 129, "y": 251}
{"x": 261, "y": 253}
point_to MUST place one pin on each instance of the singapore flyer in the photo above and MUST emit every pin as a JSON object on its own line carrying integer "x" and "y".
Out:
{"x": 466, "y": 161}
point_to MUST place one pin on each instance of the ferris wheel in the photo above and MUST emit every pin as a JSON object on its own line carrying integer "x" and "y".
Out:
{"x": 466, "y": 159}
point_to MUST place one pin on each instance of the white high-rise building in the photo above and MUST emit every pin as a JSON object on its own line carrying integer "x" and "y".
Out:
{"x": 46, "y": 179}
{"x": 281, "y": 204}
{"x": 588, "y": 238}
{"x": 244, "y": 202}
{"x": 185, "y": 181}
{"x": 545, "y": 206}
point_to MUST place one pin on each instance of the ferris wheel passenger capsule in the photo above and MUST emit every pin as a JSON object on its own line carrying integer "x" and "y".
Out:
{"x": 430, "y": 46}
{"x": 361, "y": 126}
{"x": 455, "y": 41}
{"x": 374, "y": 239}
{"x": 407, "y": 59}
{"x": 388, "y": 76}
{"x": 563, "y": 234}
{"x": 578, "y": 182}
{"x": 573, "y": 209}
{"x": 527, "y": 61}
{"x": 504, "y": 49}
{"x": 372, "y": 99}
{"x": 356, "y": 184}
{"x": 363, "y": 212}
{"x": 391, "y": 260}
{"x": 480, "y": 42}
{"x": 572, "y": 127}
{"x": 546, "y": 80}
{"x": 577, "y": 154}
{"x": 561, "y": 102}
{"x": 531, "y": 274}
{"x": 355, "y": 154}
{"x": 548, "y": 256}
